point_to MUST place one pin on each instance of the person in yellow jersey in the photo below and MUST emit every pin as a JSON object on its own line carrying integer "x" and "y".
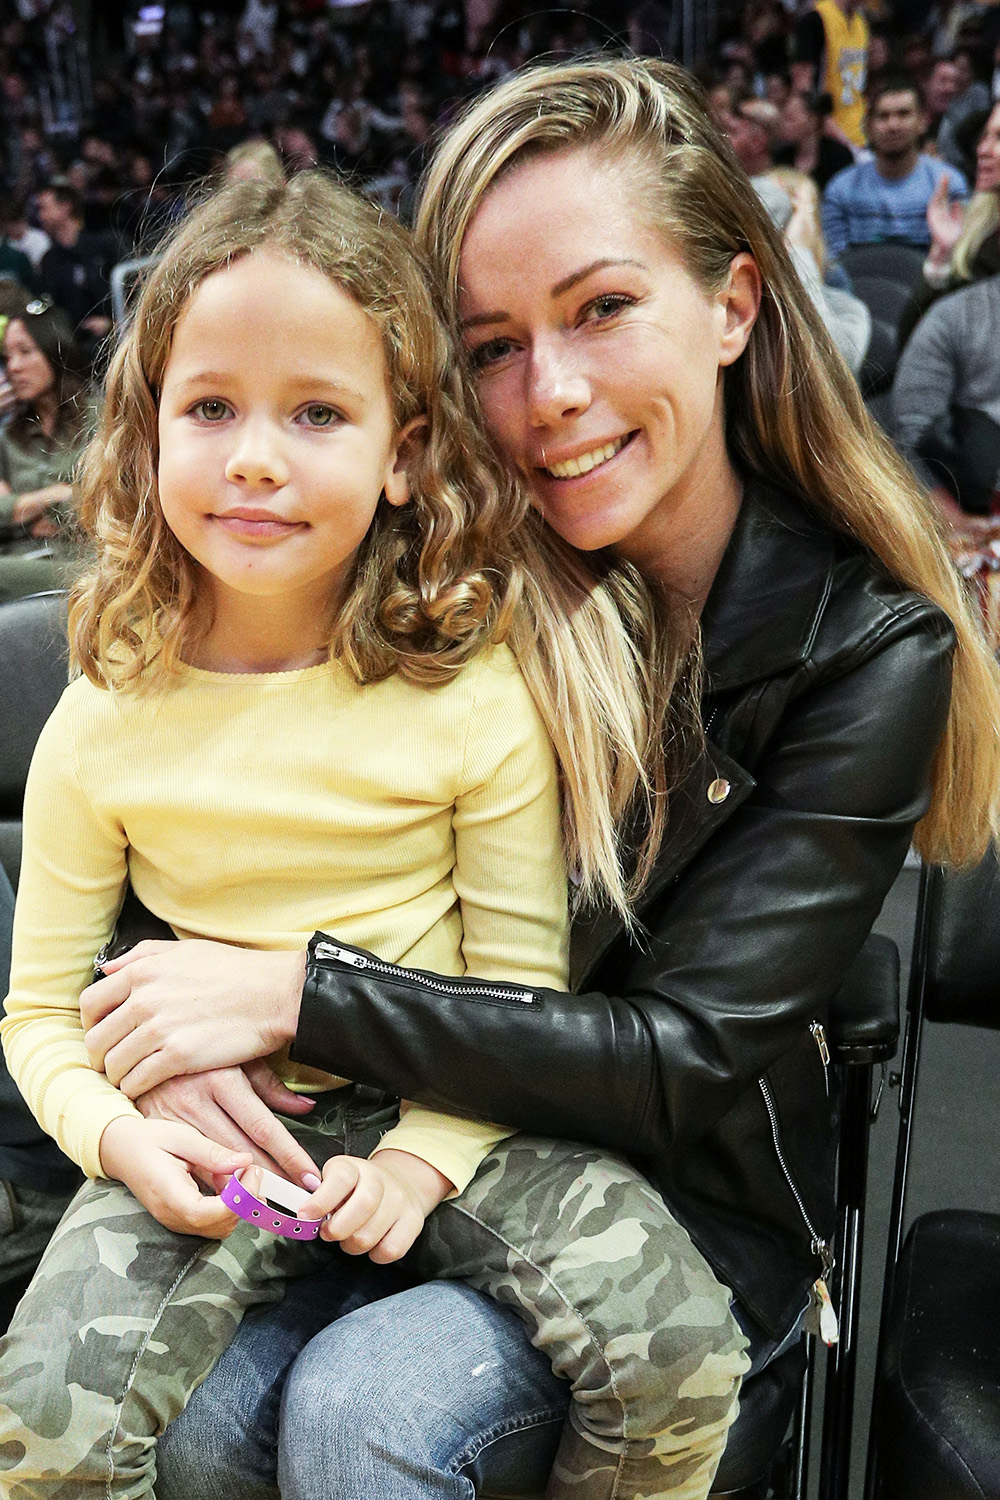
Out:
{"x": 831, "y": 56}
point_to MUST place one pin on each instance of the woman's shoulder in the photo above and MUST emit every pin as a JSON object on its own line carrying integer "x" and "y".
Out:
{"x": 867, "y": 609}
{"x": 821, "y": 596}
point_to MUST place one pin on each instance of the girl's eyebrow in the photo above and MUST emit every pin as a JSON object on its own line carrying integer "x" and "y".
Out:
{"x": 324, "y": 383}
{"x": 560, "y": 288}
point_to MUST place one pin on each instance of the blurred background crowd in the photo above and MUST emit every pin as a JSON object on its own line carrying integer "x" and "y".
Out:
{"x": 871, "y": 131}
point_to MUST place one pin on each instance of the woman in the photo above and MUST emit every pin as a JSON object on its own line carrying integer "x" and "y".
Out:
{"x": 649, "y": 364}
{"x": 965, "y": 237}
{"x": 39, "y": 447}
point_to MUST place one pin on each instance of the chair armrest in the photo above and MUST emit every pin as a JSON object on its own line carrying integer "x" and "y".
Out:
{"x": 863, "y": 1026}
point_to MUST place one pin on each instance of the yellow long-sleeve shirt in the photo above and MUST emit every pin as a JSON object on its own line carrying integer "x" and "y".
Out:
{"x": 422, "y": 823}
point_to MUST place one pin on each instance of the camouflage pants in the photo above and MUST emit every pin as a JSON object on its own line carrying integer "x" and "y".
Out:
{"x": 612, "y": 1289}
{"x": 124, "y": 1319}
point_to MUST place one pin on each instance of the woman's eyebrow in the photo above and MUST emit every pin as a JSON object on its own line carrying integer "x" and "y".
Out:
{"x": 560, "y": 288}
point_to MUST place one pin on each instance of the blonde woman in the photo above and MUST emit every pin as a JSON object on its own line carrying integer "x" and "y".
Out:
{"x": 649, "y": 365}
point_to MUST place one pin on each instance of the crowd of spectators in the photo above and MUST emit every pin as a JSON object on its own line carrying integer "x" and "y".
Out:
{"x": 861, "y": 121}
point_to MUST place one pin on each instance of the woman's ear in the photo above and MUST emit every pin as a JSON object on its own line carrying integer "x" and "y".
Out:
{"x": 409, "y": 444}
{"x": 740, "y": 299}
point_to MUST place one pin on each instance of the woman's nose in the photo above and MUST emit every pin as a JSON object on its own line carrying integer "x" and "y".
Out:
{"x": 256, "y": 457}
{"x": 558, "y": 387}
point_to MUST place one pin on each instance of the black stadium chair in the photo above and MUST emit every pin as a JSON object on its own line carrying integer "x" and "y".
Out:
{"x": 896, "y": 262}
{"x": 33, "y": 672}
{"x": 936, "y": 1424}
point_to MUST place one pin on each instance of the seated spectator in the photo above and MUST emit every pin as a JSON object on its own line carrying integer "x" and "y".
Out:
{"x": 26, "y": 237}
{"x": 804, "y": 143}
{"x": 830, "y": 50}
{"x": 753, "y": 130}
{"x": 13, "y": 300}
{"x": 74, "y": 270}
{"x": 14, "y": 264}
{"x": 971, "y": 94}
{"x": 886, "y": 198}
{"x": 941, "y": 89}
{"x": 964, "y": 238}
{"x": 946, "y": 399}
{"x": 39, "y": 447}
{"x": 792, "y": 201}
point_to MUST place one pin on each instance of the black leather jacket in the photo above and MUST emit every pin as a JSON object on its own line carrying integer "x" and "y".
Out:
{"x": 696, "y": 1048}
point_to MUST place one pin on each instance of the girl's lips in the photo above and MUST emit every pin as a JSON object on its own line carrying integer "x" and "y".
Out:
{"x": 260, "y": 527}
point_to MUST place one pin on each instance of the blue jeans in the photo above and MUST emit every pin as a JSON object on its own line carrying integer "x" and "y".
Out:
{"x": 391, "y": 1392}
{"x": 401, "y": 1397}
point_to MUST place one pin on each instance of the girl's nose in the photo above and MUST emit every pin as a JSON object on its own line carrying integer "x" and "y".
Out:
{"x": 256, "y": 458}
{"x": 558, "y": 388}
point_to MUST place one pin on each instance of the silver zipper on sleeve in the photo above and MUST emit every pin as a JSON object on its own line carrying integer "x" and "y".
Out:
{"x": 820, "y": 1247}
{"x": 443, "y": 986}
{"x": 819, "y": 1037}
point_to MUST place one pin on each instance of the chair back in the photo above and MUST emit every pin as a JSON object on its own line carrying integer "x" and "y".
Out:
{"x": 961, "y": 939}
{"x": 903, "y": 264}
{"x": 34, "y": 669}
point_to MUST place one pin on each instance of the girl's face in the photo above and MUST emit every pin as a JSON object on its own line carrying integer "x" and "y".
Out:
{"x": 30, "y": 374}
{"x": 988, "y": 155}
{"x": 599, "y": 358}
{"x": 276, "y": 431}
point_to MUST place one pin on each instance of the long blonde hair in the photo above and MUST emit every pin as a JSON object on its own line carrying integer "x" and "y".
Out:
{"x": 433, "y": 580}
{"x": 794, "y": 416}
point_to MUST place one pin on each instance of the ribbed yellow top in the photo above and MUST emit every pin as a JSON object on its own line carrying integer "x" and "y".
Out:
{"x": 421, "y": 823}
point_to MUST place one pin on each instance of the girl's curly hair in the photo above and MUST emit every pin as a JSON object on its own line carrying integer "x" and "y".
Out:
{"x": 433, "y": 580}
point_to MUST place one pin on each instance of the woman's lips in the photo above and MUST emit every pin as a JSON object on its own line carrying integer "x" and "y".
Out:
{"x": 584, "y": 464}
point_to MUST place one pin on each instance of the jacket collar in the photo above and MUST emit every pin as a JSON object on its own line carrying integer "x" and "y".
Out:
{"x": 760, "y": 619}
{"x": 765, "y": 605}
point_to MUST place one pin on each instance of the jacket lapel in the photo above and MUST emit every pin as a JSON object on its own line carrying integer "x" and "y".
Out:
{"x": 760, "y": 619}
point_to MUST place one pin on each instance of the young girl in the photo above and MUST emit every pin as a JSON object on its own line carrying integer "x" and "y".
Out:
{"x": 287, "y": 721}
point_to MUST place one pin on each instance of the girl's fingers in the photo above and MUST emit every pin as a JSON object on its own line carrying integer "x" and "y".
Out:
{"x": 363, "y": 1236}
{"x": 341, "y": 1175}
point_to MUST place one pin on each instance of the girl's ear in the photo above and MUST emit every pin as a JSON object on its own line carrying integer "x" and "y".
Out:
{"x": 409, "y": 444}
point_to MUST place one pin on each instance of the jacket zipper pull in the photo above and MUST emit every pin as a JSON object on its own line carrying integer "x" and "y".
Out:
{"x": 342, "y": 955}
{"x": 819, "y": 1037}
{"x": 824, "y": 1319}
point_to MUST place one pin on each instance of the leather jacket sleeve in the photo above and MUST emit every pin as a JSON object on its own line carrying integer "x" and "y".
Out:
{"x": 740, "y": 950}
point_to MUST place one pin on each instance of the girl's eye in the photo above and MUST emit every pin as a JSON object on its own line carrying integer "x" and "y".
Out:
{"x": 318, "y": 415}
{"x": 489, "y": 353}
{"x": 602, "y": 308}
{"x": 212, "y": 410}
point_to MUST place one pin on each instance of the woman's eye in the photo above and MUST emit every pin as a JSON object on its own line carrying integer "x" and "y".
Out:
{"x": 318, "y": 415}
{"x": 212, "y": 410}
{"x": 489, "y": 353}
{"x": 607, "y": 306}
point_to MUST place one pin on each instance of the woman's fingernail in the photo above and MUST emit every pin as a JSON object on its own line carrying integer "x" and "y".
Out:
{"x": 311, "y": 1181}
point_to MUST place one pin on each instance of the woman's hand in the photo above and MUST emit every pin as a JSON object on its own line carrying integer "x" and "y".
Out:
{"x": 161, "y": 1163}
{"x": 168, "y": 1008}
{"x": 377, "y": 1206}
{"x": 235, "y": 1107}
{"x": 945, "y": 217}
{"x": 28, "y": 508}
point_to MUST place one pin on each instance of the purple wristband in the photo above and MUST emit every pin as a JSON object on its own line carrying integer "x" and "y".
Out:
{"x": 256, "y": 1211}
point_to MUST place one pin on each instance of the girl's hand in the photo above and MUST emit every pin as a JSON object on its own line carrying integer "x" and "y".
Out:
{"x": 945, "y": 217}
{"x": 376, "y": 1207}
{"x": 168, "y": 1008}
{"x": 159, "y": 1162}
{"x": 236, "y": 1107}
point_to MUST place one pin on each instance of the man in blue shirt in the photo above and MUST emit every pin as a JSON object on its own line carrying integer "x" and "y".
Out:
{"x": 886, "y": 198}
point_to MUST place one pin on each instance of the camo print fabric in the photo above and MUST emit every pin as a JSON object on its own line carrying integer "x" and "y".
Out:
{"x": 611, "y": 1288}
{"x": 124, "y": 1319}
